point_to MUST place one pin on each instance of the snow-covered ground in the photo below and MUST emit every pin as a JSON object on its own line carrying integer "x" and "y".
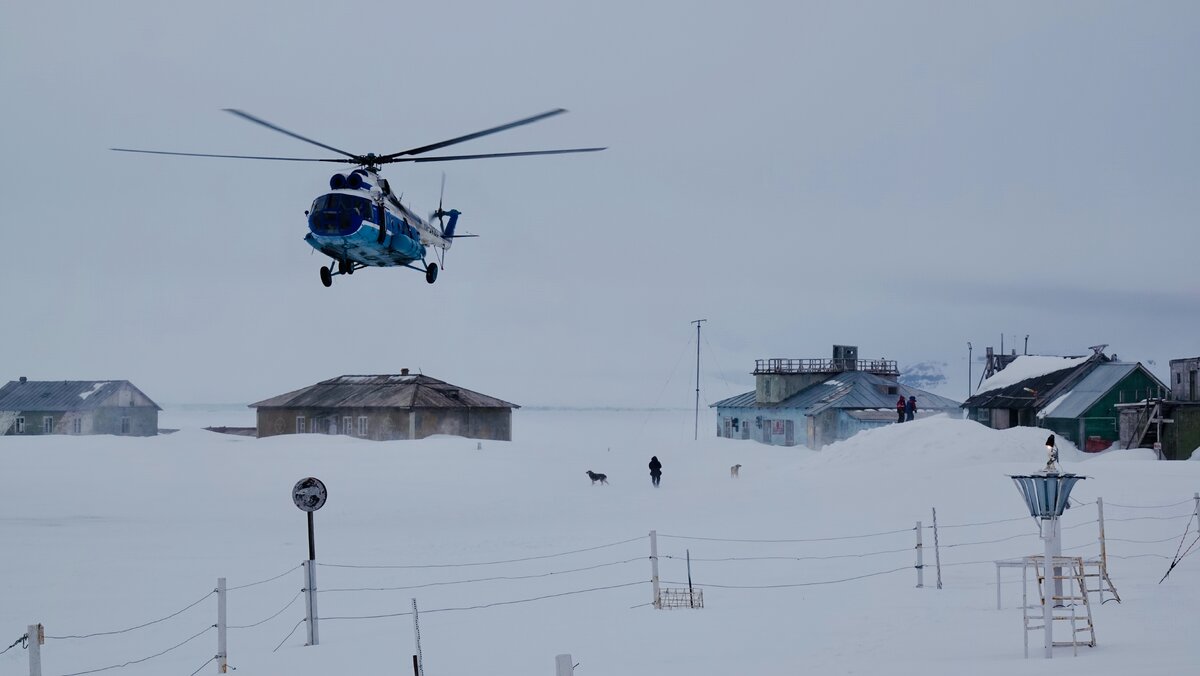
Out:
{"x": 102, "y": 534}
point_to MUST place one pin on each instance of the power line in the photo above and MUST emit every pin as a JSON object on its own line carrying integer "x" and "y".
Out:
{"x": 829, "y": 539}
{"x": 277, "y": 614}
{"x": 270, "y": 579}
{"x": 483, "y": 579}
{"x": 796, "y": 584}
{"x": 22, "y": 640}
{"x": 536, "y": 598}
{"x": 206, "y": 663}
{"x": 138, "y": 661}
{"x": 484, "y": 563}
{"x": 147, "y": 624}
{"x": 1173, "y": 504}
{"x": 793, "y": 558}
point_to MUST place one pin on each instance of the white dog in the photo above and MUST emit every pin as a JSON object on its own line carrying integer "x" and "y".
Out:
{"x": 733, "y": 471}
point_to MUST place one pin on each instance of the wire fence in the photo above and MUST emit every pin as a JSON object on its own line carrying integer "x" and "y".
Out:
{"x": 720, "y": 563}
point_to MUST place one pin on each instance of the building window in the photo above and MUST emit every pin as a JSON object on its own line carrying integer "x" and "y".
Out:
{"x": 47, "y": 425}
{"x": 362, "y": 425}
{"x": 314, "y": 425}
{"x": 299, "y": 424}
{"x": 347, "y": 425}
{"x": 124, "y": 424}
{"x": 20, "y": 425}
{"x": 77, "y": 426}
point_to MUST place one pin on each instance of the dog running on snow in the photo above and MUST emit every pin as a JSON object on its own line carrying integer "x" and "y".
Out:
{"x": 596, "y": 476}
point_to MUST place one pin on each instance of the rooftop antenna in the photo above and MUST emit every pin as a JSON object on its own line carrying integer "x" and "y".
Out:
{"x": 697, "y": 322}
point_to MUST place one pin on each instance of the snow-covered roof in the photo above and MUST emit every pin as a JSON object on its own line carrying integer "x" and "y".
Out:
{"x": 1028, "y": 366}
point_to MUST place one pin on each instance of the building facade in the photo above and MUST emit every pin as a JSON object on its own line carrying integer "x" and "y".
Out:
{"x": 385, "y": 407}
{"x": 815, "y": 402}
{"x": 32, "y": 407}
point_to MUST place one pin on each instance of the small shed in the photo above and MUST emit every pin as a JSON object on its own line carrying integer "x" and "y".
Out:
{"x": 386, "y": 407}
{"x": 29, "y": 407}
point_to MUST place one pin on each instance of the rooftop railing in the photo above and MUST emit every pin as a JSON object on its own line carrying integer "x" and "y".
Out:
{"x": 787, "y": 366}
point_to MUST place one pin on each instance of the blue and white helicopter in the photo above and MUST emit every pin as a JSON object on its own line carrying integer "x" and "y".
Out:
{"x": 360, "y": 222}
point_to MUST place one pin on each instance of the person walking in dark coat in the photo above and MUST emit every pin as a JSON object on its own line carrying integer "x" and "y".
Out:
{"x": 655, "y": 470}
{"x": 910, "y": 410}
{"x": 901, "y": 407}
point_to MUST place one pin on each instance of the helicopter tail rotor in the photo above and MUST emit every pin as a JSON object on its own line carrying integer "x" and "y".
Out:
{"x": 447, "y": 229}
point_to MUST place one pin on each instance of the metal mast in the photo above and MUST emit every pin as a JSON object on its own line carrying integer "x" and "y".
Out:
{"x": 698, "y": 322}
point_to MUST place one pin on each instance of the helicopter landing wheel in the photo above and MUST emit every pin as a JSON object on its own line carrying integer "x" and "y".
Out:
{"x": 344, "y": 267}
{"x": 431, "y": 273}
{"x": 326, "y": 276}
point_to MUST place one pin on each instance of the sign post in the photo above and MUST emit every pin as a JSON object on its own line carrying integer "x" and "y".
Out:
{"x": 309, "y": 495}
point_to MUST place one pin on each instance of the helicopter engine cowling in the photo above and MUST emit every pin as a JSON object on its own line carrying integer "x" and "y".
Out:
{"x": 337, "y": 182}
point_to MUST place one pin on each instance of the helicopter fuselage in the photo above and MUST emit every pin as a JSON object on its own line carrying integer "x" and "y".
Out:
{"x": 359, "y": 222}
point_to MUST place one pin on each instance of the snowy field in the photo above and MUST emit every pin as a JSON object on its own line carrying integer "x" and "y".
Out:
{"x": 104, "y": 534}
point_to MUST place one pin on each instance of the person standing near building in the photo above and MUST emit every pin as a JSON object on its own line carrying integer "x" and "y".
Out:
{"x": 655, "y": 470}
{"x": 901, "y": 408}
{"x": 910, "y": 410}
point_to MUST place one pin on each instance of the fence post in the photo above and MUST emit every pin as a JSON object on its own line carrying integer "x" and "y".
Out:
{"x": 35, "y": 637}
{"x": 937, "y": 552}
{"x": 920, "y": 559}
{"x": 310, "y": 600}
{"x": 1103, "y": 551}
{"x": 222, "y": 662}
{"x": 563, "y": 666}
{"x": 654, "y": 569}
{"x": 420, "y": 658}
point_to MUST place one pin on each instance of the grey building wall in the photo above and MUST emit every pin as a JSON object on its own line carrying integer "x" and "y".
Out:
{"x": 143, "y": 421}
{"x": 1185, "y": 379}
{"x": 386, "y": 424}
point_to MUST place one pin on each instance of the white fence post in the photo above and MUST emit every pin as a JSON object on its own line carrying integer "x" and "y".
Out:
{"x": 1103, "y": 550}
{"x": 937, "y": 552}
{"x": 34, "y": 641}
{"x": 310, "y": 605}
{"x": 563, "y": 666}
{"x": 222, "y": 655}
{"x": 654, "y": 569}
{"x": 920, "y": 559}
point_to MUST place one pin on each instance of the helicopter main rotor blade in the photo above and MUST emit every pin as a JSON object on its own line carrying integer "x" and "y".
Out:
{"x": 449, "y": 158}
{"x": 468, "y": 137}
{"x": 293, "y": 134}
{"x": 236, "y": 157}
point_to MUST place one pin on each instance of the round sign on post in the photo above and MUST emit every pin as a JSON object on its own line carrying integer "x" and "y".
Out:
{"x": 309, "y": 494}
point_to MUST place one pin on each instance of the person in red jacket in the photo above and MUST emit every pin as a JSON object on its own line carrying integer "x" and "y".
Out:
{"x": 901, "y": 407}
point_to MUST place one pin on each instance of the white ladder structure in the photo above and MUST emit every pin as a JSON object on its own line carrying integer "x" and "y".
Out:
{"x": 1066, "y": 607}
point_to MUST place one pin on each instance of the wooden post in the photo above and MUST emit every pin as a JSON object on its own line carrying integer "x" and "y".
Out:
{"x": 937, "y": 552}
{"x": 222, "y": 655}
{"x": 36, "y": 635}
{"x": 1047, "y": 601}
{"x": 654, "y": 569}
{"x": 563, "y": 666}
{"x": 920, "y": 559}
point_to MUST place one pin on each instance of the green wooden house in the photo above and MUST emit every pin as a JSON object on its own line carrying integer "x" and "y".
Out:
{"x": 1087, "y": 413}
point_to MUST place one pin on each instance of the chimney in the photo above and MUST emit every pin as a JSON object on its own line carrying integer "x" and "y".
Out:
{"x": 24, "y": 379}
{"x": 403, "y": 372}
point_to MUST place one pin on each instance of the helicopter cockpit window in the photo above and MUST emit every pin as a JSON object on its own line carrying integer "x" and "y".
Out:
{"x": 338, "y": 214}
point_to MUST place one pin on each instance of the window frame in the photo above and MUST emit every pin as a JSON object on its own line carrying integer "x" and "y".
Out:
{"x": 362, "y": 426}
{"x": 126, "y": 425}
{"x": 47, "y": 424}
{"x": 77, "y": 425}
{"x": 300, "y": 424}
{"x": 348, "y": 425}
{"x": 19, "y": 425}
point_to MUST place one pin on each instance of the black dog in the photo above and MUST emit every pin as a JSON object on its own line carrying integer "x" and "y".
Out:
{"x": 596, "y": 476}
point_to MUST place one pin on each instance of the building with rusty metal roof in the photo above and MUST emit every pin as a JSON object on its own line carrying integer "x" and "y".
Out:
{"x": 29, "y": 407}
{"x": 816, "y": 402}
{"x": 385, "y": 407}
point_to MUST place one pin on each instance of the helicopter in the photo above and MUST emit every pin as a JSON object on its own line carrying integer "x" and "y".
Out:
{"x": 361, "y": 222}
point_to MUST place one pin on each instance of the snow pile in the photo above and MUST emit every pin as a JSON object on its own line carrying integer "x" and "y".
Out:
{"x": 806, "y": 560}
{"x": 95, "y": 388}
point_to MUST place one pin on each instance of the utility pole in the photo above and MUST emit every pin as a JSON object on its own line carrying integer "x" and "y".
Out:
{"x": 970, "y": 385}
{"x": 698, "y": 322}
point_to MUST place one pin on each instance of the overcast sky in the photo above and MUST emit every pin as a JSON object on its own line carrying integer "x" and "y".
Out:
{"x": 905, "y": 177}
